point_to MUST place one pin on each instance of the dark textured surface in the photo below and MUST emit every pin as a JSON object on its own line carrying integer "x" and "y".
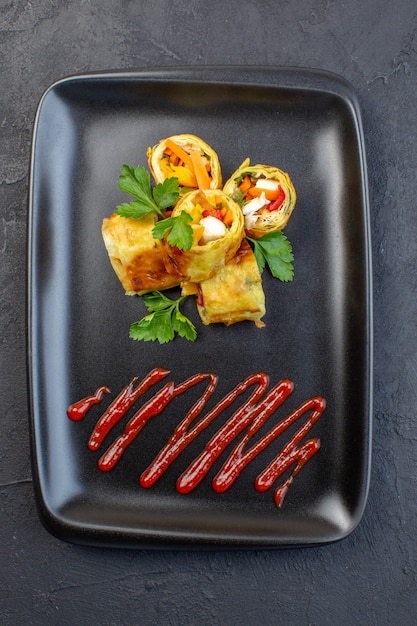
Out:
{"x": 369, "y": 577}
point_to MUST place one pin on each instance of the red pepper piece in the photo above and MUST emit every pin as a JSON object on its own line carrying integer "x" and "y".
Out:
{"x": 200, "y": 297}
{"x": 276, "y": 204}
{"x": 213, "y": 213}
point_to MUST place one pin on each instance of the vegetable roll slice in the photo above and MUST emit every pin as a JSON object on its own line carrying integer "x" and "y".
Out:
{"x": 218, "y": 229}
{"x": 266, "y": 195}
{"x": 136, "y": 257}
{"x": 187, "y": 157}
{"x": 234, "y": 293}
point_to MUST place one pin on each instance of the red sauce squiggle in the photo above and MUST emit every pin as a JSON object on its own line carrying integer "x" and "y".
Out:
{"x": 150, "y": 409}
{"x": 289, "y": 455}
{"x": 231, "y": 429}
{"x": 248, "y": 419}
{"x": 77, "y": 411}
{"x": 122, "y": 403}
{"x": 153, "y": 407}
{"x": 182, "y": 437}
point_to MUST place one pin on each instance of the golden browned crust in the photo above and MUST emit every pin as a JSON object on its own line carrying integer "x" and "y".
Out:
{"x": 136, "y": 257}
{"x": 235, "y": 292}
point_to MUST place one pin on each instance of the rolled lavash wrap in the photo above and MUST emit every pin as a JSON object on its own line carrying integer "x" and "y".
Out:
{"x": 188, "y": 158}
{"x": 266, "y": 195}
{"x": 218, "y": 230}
{"x": 136, "y": 257}
{"x": 234, "y": 293}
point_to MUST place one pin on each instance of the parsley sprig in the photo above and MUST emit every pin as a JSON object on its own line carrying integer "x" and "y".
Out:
{"x": 178, "y": 228}
{"x": 274, "y": 250}
{"x": 164, "y": 320}
{"x": 137, "y": 183}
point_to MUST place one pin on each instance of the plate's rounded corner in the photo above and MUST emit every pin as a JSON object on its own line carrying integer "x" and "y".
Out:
{"x": 52, "y": 523}
{"x": 47, "y": 91}
{"x": 355, "y": 522}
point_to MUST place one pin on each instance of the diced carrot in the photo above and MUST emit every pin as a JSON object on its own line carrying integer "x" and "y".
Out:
{"x": 180, "y": 152}
{"x": 245, "y": 184}
{"x": 200, "y": 171}
{"x": 270, "y": 194}
{"x": 228, "y": 218}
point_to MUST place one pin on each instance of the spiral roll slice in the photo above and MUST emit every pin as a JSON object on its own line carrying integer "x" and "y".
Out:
{"x": 188, "y": 158}
{"x": 267, "y": 197}
{"x": 218, "y": 230}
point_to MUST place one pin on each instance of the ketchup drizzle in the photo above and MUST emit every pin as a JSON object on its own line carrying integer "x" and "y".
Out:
{"x": 153, "y": 407}
{"x": 182, "y": 437}
{"x": 233, "y": 427}
{"x": 123, "y": 402}
{"x": 250, "y": 416}
{"x": 77, "y": 411}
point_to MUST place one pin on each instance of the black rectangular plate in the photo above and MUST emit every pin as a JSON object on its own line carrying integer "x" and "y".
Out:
{"x": 318, "y": 328}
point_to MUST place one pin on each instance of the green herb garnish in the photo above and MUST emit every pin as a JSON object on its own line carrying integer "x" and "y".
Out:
{"x": 178, "y": 228}
{"x": 137, "y": 183}
{"x": 164, "y": 320}
{"x": 275, "y": 250}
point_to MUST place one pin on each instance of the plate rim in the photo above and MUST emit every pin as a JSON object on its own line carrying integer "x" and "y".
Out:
{"x": 275, "y": 77}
